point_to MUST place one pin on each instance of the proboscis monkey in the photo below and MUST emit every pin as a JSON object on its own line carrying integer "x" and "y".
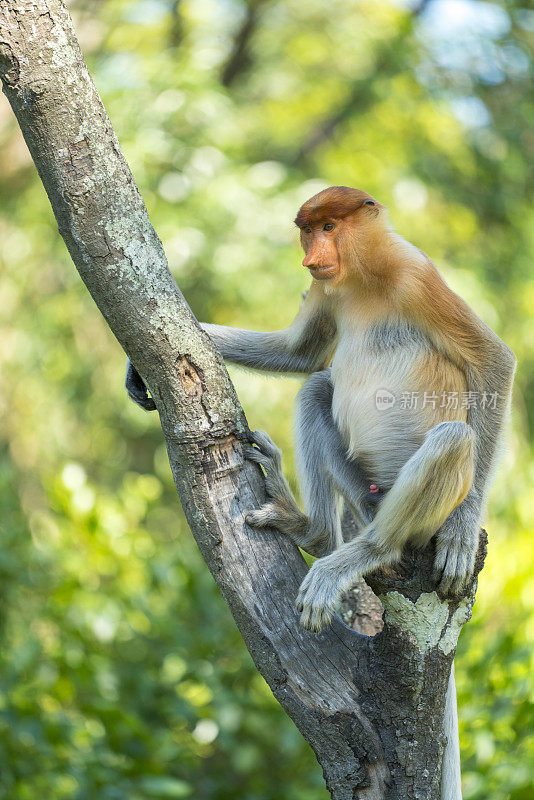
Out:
{"x": 400, "y": 417}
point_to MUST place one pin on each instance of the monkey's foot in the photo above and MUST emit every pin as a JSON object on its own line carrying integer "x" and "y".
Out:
{"x": 321, "y": 592}
{"x": 454, "y": 562}
{"x": 272, "y": 515}
{"x": 269, "y": 456}
{"x": 282, "y": 512}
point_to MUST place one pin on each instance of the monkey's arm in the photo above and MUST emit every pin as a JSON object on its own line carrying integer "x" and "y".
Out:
{"x": 489, "y": 365}
{"x": 273, "y": 351}
{"x": 305, "y": 347}
{"x": 490, "y": 385}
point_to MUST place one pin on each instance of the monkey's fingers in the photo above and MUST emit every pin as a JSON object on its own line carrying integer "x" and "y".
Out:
{"x": 141, "y": 398}
{"x": 136, "y": 389}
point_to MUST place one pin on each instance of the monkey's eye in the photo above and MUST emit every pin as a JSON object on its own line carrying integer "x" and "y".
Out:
{"x": 369, "y": 203}
{"x": 329, "y": 226}
{"x": 306, "y": 229}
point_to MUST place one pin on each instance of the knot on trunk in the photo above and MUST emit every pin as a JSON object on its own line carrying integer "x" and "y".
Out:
{"x": 9, "y": 65}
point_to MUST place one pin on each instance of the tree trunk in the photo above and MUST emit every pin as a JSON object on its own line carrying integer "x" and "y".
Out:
{"x": 371, "y": 707}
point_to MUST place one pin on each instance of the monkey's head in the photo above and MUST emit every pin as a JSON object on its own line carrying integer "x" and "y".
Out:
{"x": 336, "y": 227}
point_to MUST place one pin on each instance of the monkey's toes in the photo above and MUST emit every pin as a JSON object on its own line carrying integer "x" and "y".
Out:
{"x": 266, "y": 445}
{"x": 315, "y": 617}
{"x": 256, "y": 519}
{"x": 315, "y": 601}
{"x": 253, "y": 454}
{"x": 265, "y": 517}
{"x": 452, "y": 571}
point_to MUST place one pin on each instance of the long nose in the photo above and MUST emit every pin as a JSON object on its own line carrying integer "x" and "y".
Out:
{"x": 319, "y": 254}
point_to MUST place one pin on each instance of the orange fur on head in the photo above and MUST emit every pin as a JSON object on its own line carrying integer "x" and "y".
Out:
{"x": 337, "y": 202}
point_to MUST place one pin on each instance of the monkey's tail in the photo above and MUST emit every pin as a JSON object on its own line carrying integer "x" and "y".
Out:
{"x": 451, "y": 786}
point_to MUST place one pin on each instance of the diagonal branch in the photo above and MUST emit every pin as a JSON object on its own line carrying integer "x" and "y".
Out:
{"x": 361, "y": 703}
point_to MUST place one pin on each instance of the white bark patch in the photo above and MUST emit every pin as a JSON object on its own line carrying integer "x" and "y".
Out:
{"x": 459, "y": 618}
{"x": 378, "y": 780}
{"x": 423, "y": 621}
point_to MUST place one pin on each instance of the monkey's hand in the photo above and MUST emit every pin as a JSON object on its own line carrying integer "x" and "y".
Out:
{"x": 456, "y": 548}
{"x": 136, "y": 388}
{"x": 323, "y": 587}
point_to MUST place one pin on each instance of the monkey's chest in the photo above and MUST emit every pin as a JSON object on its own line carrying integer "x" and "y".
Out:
{"x": 387, "y": 397}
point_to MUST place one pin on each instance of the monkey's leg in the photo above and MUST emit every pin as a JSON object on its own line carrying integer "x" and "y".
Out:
{"x": 325, "y": 473}
{"x": 429, "y": 486}
{"x": 321, "y": 453}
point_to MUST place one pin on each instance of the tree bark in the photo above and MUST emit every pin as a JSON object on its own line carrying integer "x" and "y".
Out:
{"x": 371, "y": 708}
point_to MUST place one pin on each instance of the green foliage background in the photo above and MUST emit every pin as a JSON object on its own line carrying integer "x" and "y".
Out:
{"x": 122, "y": 676}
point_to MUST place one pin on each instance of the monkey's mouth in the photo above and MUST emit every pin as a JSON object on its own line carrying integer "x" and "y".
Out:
{"x": 323, "y": 273}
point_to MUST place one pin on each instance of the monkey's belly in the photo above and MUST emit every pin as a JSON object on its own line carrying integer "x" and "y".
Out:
{"x": 384, "y": 413}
